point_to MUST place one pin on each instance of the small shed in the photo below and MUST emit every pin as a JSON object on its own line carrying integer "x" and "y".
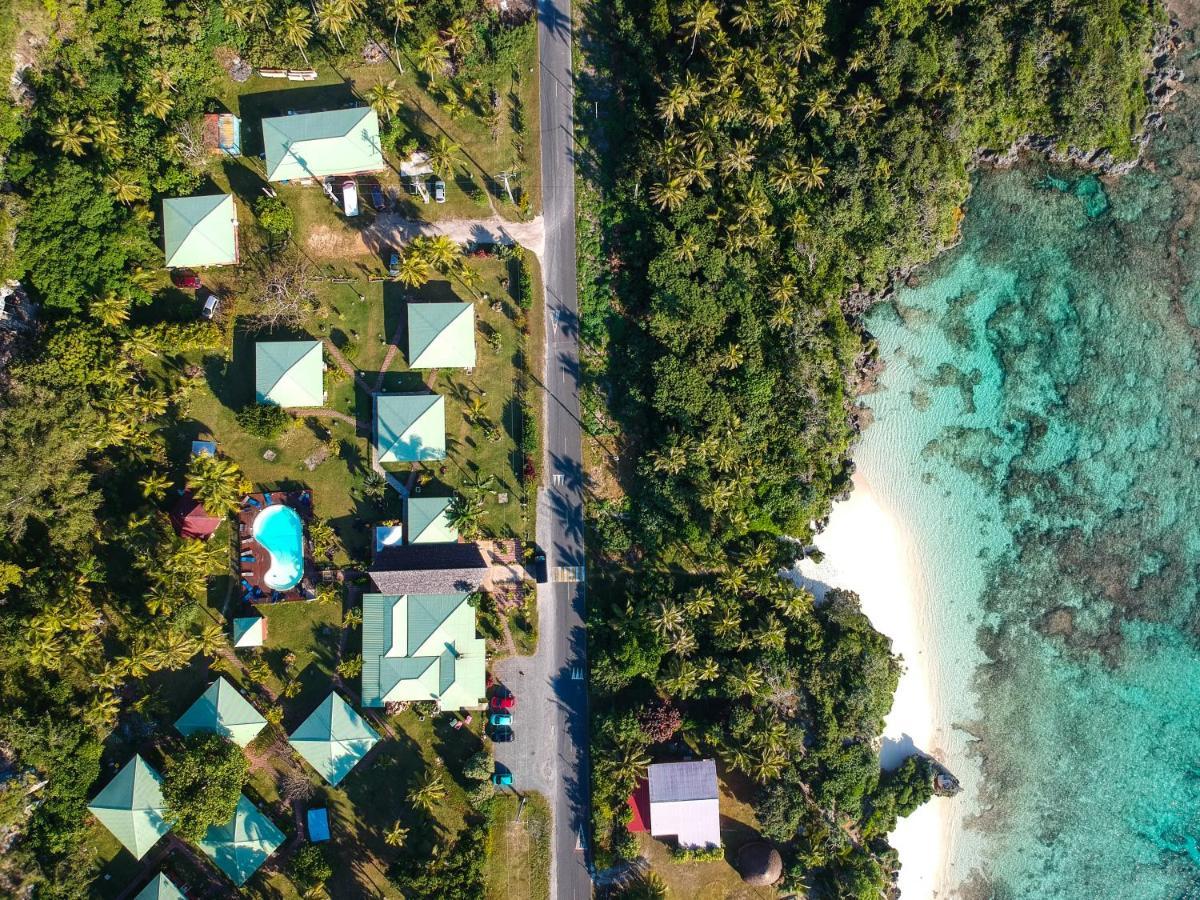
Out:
{"x": 684, "y": 803}
{"x": 318, "y": 825}
{"x": 249, "y": 631}
{"x": 192, "y": 520}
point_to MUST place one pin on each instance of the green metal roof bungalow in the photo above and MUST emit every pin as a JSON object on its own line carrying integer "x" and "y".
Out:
{"x": 427, "y": 521}
{"x": 410, "y": 427}
{"x": 312, "y": 145}
{"x": 289, "y": 373}
{"x": 441, "y": 335}
{"x": 333, "y": 739}
{"x": 161, "y": 888}
{"x": 131, "y": 807}
{"x": 243, "y": 843}
{"x": 221, "y": 709}
{"x": 422, "y": 647}
{"x": 200, "y": 231}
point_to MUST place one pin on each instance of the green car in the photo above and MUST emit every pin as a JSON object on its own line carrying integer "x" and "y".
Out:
{"x": 503, "y": 779}
{"x": 498, "y": 719}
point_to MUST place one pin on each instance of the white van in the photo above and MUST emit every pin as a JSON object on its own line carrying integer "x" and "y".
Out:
{"x": 350, "y": 199}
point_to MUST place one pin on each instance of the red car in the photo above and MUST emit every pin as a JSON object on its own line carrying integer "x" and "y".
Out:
{"x": 503, "y": 704}
{"x": 185, "y": 278}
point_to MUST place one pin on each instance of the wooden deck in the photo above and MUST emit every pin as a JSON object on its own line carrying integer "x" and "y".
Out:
{"x": 253, "y": 570}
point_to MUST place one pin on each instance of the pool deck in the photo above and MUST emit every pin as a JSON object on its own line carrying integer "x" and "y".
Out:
{"x": 254, "y": 571}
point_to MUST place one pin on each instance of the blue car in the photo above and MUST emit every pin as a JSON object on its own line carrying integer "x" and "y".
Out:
{"x": 500, "y": 719}
{"x": 394, "y": 264}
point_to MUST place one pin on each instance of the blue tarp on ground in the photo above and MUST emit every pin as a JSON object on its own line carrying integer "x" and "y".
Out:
{"x": 318, "y": 825}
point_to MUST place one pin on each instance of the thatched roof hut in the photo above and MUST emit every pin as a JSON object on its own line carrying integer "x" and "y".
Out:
{"x": 759, "y": 864}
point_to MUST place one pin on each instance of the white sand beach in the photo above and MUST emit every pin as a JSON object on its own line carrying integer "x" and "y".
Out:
{"x": 867, "y": 551}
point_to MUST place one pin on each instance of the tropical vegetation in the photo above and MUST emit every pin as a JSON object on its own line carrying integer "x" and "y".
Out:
{"x": 756, "y": 170}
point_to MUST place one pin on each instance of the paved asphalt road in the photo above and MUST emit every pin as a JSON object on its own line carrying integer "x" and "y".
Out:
{"x": 550, "y": 725}
{"x": 563, "y": 645}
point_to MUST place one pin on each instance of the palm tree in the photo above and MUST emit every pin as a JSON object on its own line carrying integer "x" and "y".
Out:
{"x": 476, "y": 410}
{"x": 739, "y": 158}
{"x": 236, "y": 12}
{"x": 217, "y": 483}
{"x": 669, "y": 195}
{"x": 432, "y": 56}
{"x": 428, "y": 793}
{"x": 296, "y": 29}
{"x": 702, "y": 18}
{"x": 812, "y": 174}
{"x": 786, "y": 174}
{"x": 400, "y": 12}
{"x": 211, "y": 639}
{"x": 459, "y": 36}
{"x": 820, "y": 104}
{"x": 124, "y": 188}
{"x": 104, "y": 132}
{"x": 441, "y": 250}
{"x": 69, "y": 137}
{"x": 396, "y": 835}
{"x": 175, "y": 649}
{"x": 384, "y": 98}
{"x": 45, "y": 650}
{"x": 746, "y": 18}
{"x": 463, "y": 514}
{"x": 670, "y": 618}
{"x": 414, "y": 268}
{"x": 333, "y": 17}
{"x": 139, "y": 662}
{"x": 444, "y": 155}
{"x": 156, "y": 102}
{"x": 155, "y": 486}
{"x": 110, "y": 309}
{"x": 648, "y": 886}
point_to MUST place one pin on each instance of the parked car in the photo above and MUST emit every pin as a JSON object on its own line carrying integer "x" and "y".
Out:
{"x": 394, "y": 264}
{"x": 503, "y": 703}
{"x": 502, "y": 735}
{"x": 439, "y": 191}
{"x": 377, "y": 200}
{"x": 186, "y": 279}
{"x": 500, "y": 719}
{"x": 539, "y": 567}
{"x": 502, "y": 779}
{"x": 211, "y": 302}
{"x": 350, "y": 198}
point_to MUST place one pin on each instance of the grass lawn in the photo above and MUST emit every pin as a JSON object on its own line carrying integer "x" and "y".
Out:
{"x": 520, "y": 849}
{"x": 719, "y": 879}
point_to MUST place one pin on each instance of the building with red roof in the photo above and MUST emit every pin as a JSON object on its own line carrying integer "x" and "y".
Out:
{"x": 192, "y": 520}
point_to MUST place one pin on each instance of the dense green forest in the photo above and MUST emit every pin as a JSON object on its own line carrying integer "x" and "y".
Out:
{"x": 98, "y": 596}
{"x": 750, "y": 169}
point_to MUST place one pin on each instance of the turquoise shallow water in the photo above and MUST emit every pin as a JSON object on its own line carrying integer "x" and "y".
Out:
{"x": 1038, "y": 431}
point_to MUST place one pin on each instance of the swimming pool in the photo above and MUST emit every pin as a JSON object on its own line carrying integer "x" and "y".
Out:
{"x": 281, "y": 534}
